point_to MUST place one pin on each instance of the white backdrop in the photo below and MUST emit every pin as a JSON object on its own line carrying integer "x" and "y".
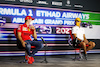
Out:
{"x": 93, "y": 33}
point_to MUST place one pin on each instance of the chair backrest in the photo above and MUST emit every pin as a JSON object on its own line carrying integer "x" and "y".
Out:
{"x": 73, "y": 39}
{"x": 19, "y": 44}
{"x": 70, "y": 32}
{"x": 15, "y": 32}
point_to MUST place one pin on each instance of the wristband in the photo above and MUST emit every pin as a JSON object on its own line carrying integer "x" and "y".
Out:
{"x": 35, "y": 40}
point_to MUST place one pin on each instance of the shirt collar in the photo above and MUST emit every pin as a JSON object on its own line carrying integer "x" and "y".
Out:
{"x": 25, "y": 24}
{"x": 78, "y": 26}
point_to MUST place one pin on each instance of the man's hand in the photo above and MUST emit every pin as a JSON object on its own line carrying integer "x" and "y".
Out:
{"x": 23, "y": 44}
{"x": 86, "y": 41}
{"x": 35, "y": 40}
{"x": 32, "y": 27}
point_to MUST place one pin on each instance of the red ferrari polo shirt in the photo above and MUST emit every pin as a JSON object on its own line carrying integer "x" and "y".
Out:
{"x": 25, "y": 32}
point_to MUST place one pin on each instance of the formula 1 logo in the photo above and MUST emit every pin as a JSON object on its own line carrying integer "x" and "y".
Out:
{"x": 2, "y": 21}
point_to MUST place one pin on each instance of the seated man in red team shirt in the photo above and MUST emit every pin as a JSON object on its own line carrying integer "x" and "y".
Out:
{"x": 24, "y": 35}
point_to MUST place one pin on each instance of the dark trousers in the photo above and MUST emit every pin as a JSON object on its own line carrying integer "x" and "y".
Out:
{"x": 30, "y": 43}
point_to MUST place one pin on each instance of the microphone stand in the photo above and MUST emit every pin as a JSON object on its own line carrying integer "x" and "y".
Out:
{"x": 45, "y": 60}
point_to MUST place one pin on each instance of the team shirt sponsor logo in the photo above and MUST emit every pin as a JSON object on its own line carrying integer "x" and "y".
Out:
{"x": 25, "y": 29}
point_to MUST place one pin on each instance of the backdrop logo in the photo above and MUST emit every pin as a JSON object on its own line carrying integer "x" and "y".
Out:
{"x": 68, "y": 3}
{"x": 61, "y": 15}
{"x": 27, "y": 1}
{"x": 57, "y": 3}
{"x": 10, "y": 0}
{"x": 42, "y": 2}
{"x": 2, "y": 21}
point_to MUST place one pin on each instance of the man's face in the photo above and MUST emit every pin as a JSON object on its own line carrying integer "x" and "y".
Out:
{"x": 29, "y": 20}
{"x": 78, "y": 23}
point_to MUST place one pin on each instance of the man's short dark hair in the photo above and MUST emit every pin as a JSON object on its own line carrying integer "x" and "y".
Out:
{"x": 25, "y": 21}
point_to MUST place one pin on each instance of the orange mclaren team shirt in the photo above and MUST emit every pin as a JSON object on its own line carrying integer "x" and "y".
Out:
{"x": 25, "y": 32}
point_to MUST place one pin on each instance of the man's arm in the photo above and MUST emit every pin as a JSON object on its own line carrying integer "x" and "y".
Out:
{"x": 20, "y": 38}
{"x": 34, "y": 32}
{"x": 84, "y": 37}
{"x": 85, "y": 40}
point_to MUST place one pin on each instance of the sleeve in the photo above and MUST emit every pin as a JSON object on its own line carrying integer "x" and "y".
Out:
{"x": 74, "y": 31}
{"x": 19, "y": 28}
{"x": 32, "y": 31}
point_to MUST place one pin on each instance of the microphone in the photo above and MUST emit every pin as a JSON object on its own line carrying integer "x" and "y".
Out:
{"x": 43, "y": 40}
